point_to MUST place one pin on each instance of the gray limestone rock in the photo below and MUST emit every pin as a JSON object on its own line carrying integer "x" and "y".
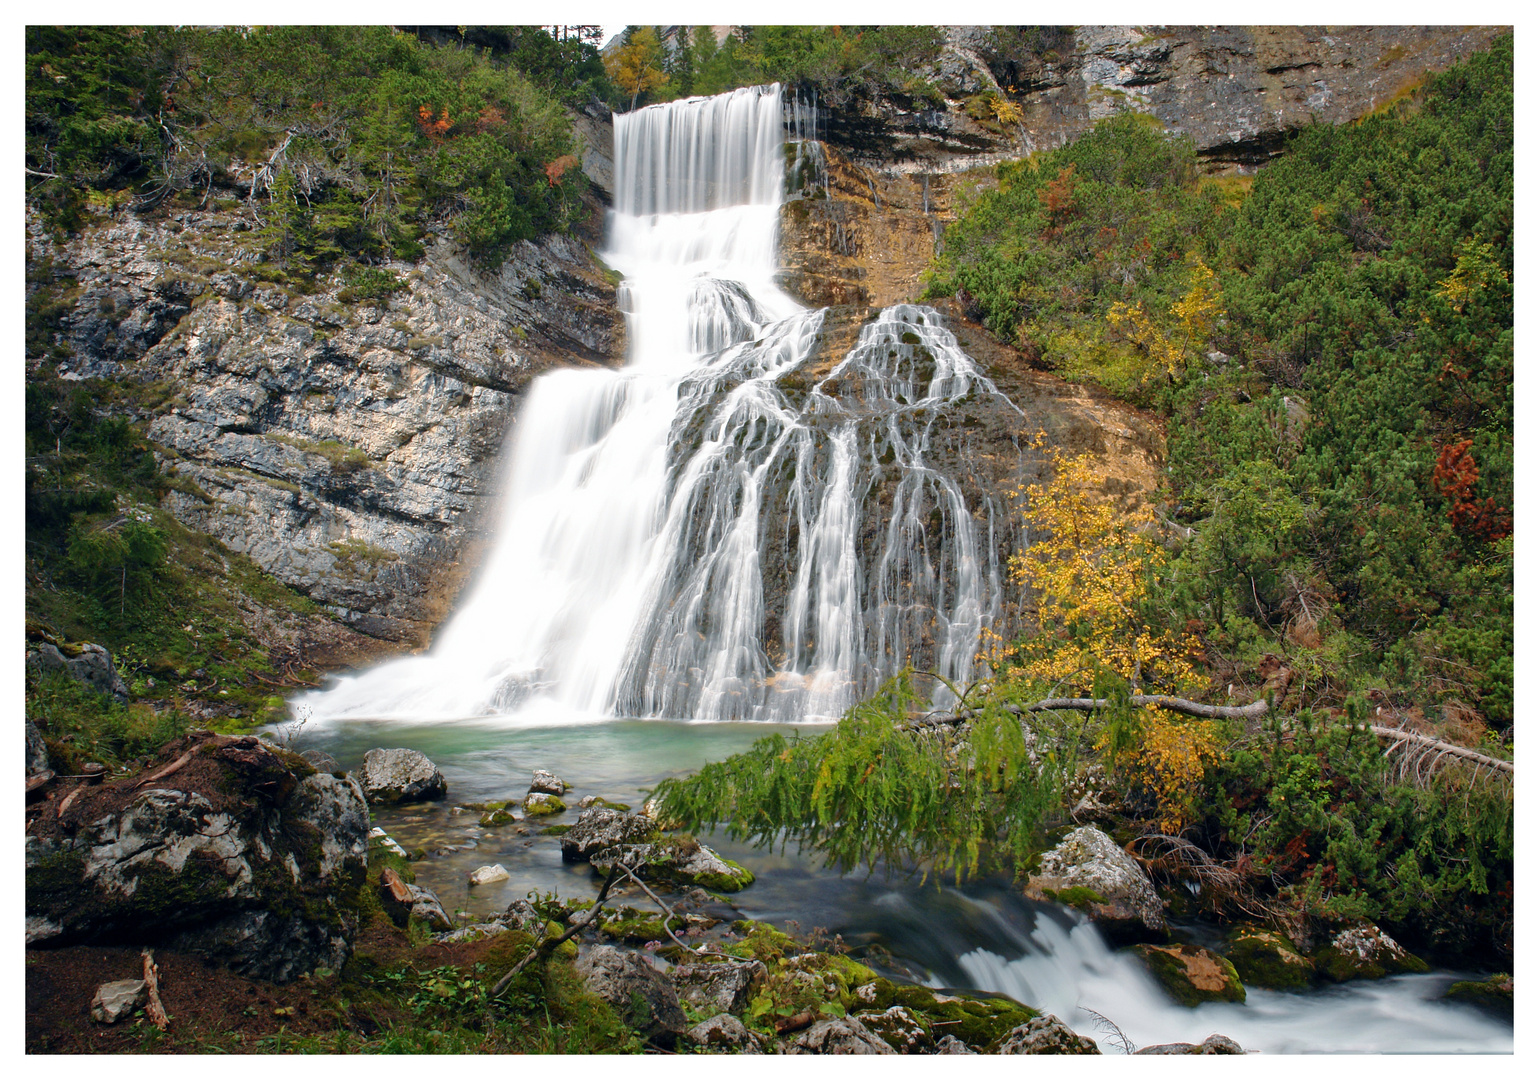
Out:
{"x": 400, "y": 775}
{"x": 253, "y": 884}
{"x": 950, "y": 1044}
{"x": 599, "y": 828}
{"x": 898, "y": 1028}
{"x": 1213, "y": 1044}
{"x": 725, "y": 986}
{"x": 91, "y": 667}
{"x": 548, "y": 783}
{"x": 644, "y": 996}
{"x": 1045, "y": 1035}
{"x": 37, "y": 751}
{"x": 115, "y": 1000}
{"x": 724, "y": 1032}
{"x": 1122, "y": 899}
{"x": 844, "y": 1035}
{"x": 322, "y": 761}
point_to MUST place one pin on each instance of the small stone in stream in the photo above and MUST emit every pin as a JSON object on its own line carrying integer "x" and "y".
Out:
{"x": 547, "y": 782}
{"x": 1046, "y": 1035}
{"x": 486, "y": 875}
{"x": 1494, "y": 993}
{"x": 588, "y": 801}
{"x": 496, "y": 818}
{"x": 724, "y": 1031}
{"x": 539, "y": 804}
{"x": 1213, "y": 1044}
{"x": 116, "y": 1000}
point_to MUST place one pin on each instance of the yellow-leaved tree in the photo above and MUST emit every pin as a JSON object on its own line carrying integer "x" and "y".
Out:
{"x": 638, "y": 65}
{"x": 1087, "y": 578}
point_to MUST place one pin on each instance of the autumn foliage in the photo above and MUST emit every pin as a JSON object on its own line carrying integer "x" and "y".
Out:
{"x": 1454, "y": 477}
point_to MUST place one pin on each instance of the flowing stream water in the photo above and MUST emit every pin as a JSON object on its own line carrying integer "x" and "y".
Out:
{"x": 737, "y": 531}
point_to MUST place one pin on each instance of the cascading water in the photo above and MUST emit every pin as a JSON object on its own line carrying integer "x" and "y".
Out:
{"x": 729, "y": 528}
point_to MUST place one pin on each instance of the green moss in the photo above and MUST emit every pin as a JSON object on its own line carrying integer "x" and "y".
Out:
{"x": 1266, "y": 959}
{"x": 1076, "y": 896}
{"x": 539, "y": 804}
{"x": 555, "y": 830}
{"x": 1192, "y": 975}
{"x": 496, "y": 818}
{"x": 1493, "y": 994}
{"x": 977, "y": 1021}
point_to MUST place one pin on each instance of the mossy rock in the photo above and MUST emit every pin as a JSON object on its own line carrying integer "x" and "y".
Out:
{"x": 977, "y": 1021}
{"x": 599, "y": 800}
{"x": 762, "y": 942}
{"x": 555, "y": 830}
{"x": 1267, "y": 959}
{"x": 1364, "y": 952}
{"x": 634, "y": 928}
{"x": 1494, "y": 994}
{"x": 1076, "y": 896}
{"x": 539, "y": 804}
{"x": 1192, "y": 974}
{"x": 497, "y": 818}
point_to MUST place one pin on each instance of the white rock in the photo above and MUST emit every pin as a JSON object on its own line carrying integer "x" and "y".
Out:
{"x": 116, "y": 1000}
{"x": 486, "y": 875}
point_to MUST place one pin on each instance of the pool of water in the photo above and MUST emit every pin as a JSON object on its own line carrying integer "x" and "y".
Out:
{"x": 983, "y": 936}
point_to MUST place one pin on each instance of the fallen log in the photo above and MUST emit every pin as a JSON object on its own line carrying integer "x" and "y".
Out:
{"x": 1160, "y": 701}
{"x": 1400, "y": 735}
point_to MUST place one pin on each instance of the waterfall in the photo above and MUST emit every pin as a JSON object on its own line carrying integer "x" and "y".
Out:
{"x": 731, "y": 527}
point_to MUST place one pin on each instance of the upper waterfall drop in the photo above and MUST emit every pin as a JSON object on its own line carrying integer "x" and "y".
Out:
{"x": 730, "y": 527}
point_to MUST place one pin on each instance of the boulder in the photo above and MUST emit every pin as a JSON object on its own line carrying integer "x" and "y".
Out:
{"x": 1364, "y": 952}
{"x": 37, "y": 751}
{"x": 678, "y": 861}
{"x": 1192, "y": 974}
{"x": 497, "y": 818}
{"x": 548, "y": 783}
{"x": 487, "y": 875}
{"x": 643, "y": 996}
{"x": 1089, "y": 871}
{"x": 217, "y": 859}
{"x": 520, "y": 915}
{"x": 898, "y": 1028}
{"x": 115, "y": 1000}
{"x": 1213, "y": 1044}
{"x": 541, "y": 804}
{"x": 1045, "y": 1035}
{"x": 598, "y": 800}
{"x": 90, "y": 665}
{"x": 845, "y": 1035}
{"x": 1267, "y": 959}
{"x": 400, "y": 775}
{"x": 404, "y": 901}
{"x": 725, "y": 986}
{"x": 601, "y": 828}
{"x": 322, "y": 761}
{"x": 724, "y": 1032}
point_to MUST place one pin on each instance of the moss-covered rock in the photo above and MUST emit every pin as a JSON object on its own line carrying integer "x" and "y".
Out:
{"x": 497, "y": 818}
{"x": 541, "y": 804}
{"x": 1493, "y": 994}
{"x": 1364, "y": 952}
{"x": 678, "y": 861}
{"x": 1192, "y": 974}
{"x": 1267, "y": 959}
{"x": 978, "y": 1022}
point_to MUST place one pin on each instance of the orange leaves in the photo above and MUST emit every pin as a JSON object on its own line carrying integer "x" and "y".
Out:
{"x": 1058, "y": 196}
{"x": 1170, "y": 759}
{"x": 434, "y": 129}
{"x": 491, "y": 118}
{"x": 1454, "y": 477}
{"x": 556, "y": 169}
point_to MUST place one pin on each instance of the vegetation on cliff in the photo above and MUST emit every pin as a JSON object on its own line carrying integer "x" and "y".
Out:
{"x": 347, "y": 142}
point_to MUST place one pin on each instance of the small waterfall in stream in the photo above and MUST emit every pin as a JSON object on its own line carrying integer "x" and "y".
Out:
{"x": 734, "y": 526}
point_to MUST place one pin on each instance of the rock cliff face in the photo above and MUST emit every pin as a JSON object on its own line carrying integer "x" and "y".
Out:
{"x": 350, "y": 448}
{"x": 1238, "y": 91}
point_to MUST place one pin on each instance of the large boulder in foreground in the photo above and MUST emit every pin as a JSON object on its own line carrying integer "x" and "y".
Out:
{"x": 680, "y": 861}
{"x": 1089, "y": 871}
{"x": 644, "y": 997}
{"x": 227, "y": 848}
{"x": 400, "y": 776}
{"x": 87, "y": 663}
